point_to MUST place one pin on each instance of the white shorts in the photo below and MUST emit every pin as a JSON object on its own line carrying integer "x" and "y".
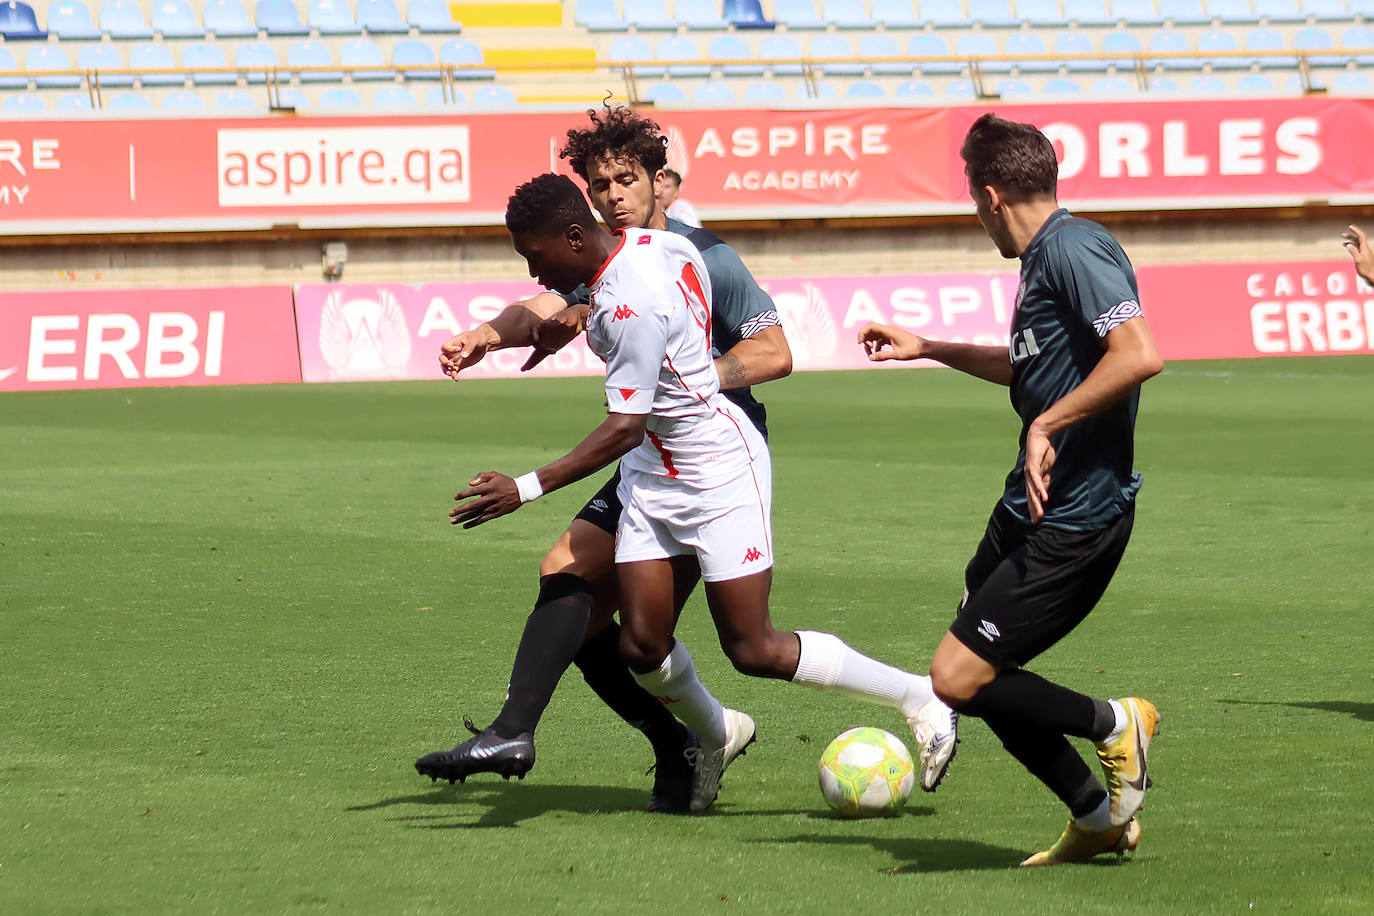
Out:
{"x": 727, "y": 525}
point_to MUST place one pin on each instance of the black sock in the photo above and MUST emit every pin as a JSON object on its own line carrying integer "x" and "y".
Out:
{"x": 1052, "y": 760}
{"x": 1021, "y": 696}
{"x": 553, "y": 632}
{"x": 605, "y": 672}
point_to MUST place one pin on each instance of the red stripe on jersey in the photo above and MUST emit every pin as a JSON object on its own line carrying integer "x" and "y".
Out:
{"x": 607, "y": 263}
{"x": 663, "y": 454}
{"x": 758, "y": 492}
{"x": 689, "y": 276}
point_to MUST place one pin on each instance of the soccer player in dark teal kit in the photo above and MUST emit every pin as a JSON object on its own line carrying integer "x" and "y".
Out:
{"x": 1079, "y": 351}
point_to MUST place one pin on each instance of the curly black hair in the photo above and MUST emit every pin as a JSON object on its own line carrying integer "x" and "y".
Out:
{"x": 620, "y": 133}
{"x": 546, "y": 206}
{"x": 1009, "y": 155}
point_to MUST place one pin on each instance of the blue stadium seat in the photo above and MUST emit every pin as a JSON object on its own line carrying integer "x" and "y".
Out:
{"x": 1269, "y": 40}
{"x": 41, "y": 58}
{"x": 311, "y": 54}
{"x": 725, "y": 50}
{"x": 204, "y": 55}
{"x": 764, "y": 92}
{"x": 364, "y": 52}
{"x": 831, "y": 47}
{"x": 882, "y": 45}
{"x": 431, "y": 16}
{"x": 1169, "y": 41}
{"x": 175, "y": 19}
{"x": 745, "y": 14}
{"x": 781, "y": 47}
{"x": 1214, "y": 40}
{"x": 713, "y": 93}
{"x": 1163, "y": 85}
{"x": 1183, "y": 12}
{"x": 19, "y": 22}
{"x": 1207, "y": 85}
{"x": 279, "y": 17}
{"x": 1330, "y": 10}
{"x": 287, "y": 97}
{"x": 631, "y": 49}
{"x": 1110, "y": 85}
{"x": 865, "y": 89}
{"x": 1136, "y": 12}
{"x": 1351, "y": 81}
{"x": 228, "y": 19}
{"x": 104, "y": 57}
{"x": 797, "y": 14}
{"x": 959, "y": 89}
{"x": 1310, "y": 39}
{"x": 1028, "y": 44}
{"x": 7, "y": 62}
{"x": 331, "y": 17}
{"x": 1230, "y": 12}
{"x": 678, "y": 47}
{"x": 1061, "y": 85}
{"x": 464, "y": 54}
{"x": 152, "y": 56}
{"x": 493, "y": 96}
{"x": 1076, "y": 42}
{"x": 73, "y": 101}
{"x": 1255, "y": 83}
{"x": 23, "y": 103}
{"x": 981, "y": 44}
{"x": 1279, "y": 11}
{"x": 70, "y": 20}
{"x": 1012, "y": 88}
{"x": 340, "y": 97}
{"x": 598, "y": 16}
{"x": 413, "y": 52}
{"x": 927, "y": 44}
{"x": 911, "y": 89}
{"x": 123, "y": 19}
{"x": 664, "y": 94}
{"x": 394, "y": 97}
{"x": 649, "y": 16}
{"x": 820, "y": 91}
{"x": 233, "y": 99}
{"x": 943, "y": 14}
{"x": 1360, "y": 41}
{"x": 895, "y": 14}
{"x": 1128, "y": 43}
{"x": 128, "y": 101}
{"x": 258, "y": 54}
{"x": 845, "y": 14}
{"x": 181, "y": 101}
{"x": 1088, "y": 12}
{"x": 380, "y": 17}
{"x": 994, "y": 14}
{"x": 1041, "y": 13}
{"x": 435, "y": 97}
{"x": 700, "y": 14}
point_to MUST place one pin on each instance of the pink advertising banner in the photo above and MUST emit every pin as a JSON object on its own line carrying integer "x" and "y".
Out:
{"x": 146, "y": 337}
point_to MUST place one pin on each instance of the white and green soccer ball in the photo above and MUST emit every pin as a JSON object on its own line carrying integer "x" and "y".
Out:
{"x": 866, "y": 772}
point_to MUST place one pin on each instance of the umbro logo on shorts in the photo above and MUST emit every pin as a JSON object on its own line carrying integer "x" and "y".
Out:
{"x": 751, "y": 555}
{"x": 600, "y": 505}
{"x": 988, "y": 630}
{"x": 624, "y": 311}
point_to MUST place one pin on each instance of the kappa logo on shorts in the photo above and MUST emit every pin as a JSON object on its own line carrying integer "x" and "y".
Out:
{"x": 600, "y": 505}
{"x": 624, "y": 311}
{"x": 988, "y": 630}
{"x": 751, "y": 555}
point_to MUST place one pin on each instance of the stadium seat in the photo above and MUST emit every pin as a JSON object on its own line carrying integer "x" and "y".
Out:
{"x": 1214, "y": 40}
{"x": 493, "y": 96}
{"x": 872, "y": 47}
{"x": 1207, "y": 85}
{"x": 1110, "y": 85}
{"x": 1012, "y": 88}
{"x": 797, "y": 14}
{"x": 664, "y": 94}
{"x": 1163, "y": 85}
{"x": 994, "y": 14}
{"x": 23, "y": 103}
{"x": 435, "y": 97}
{"x": 69, "y": 20}
{"x": 700, "y": 15}
{"x": 104, "y": 57}
{"x": 287, "y": 97}
{"x": 380, "y": 17}
{"x": 1230, "y": 12}
{"x": 41, "y": 58}
{"x": 724, "y": 50}
{"x": 19, "y": 22}
{"x": 1351, "y": 81}
{"x": 713, "y": 93}
{"x": 1268, "y": 40}
{"x": 1310, "y": 39}
{"x": 311, "y": 54}
{"x": 175, "y": 19}
{"x": 764, "y": 92}
{"x": 228, "y": 19}
{"x": 982, "y": 45}
{"x": 1183, "y": 12}
{"x": 1278, "y": 11}
{"x": 1330, "y": 10}
{"x": 1136, "y": 12}
{"x": 467, "y": 57}
{"x": 1088, "y": 12}
{"x": 1040, "y": 13}
{"x": 677, "y": 47}
{"x": 1127, "y": 43}
{"x": 1075, "y": 42}
{"x": 128, "y": 101}
{"x": 865, "y": 89}
{"x": 364, "y": 52}
{"x": 153, "y": 56}
{"x": 649, "y": 16}
{"x": 1168, "y": 41}
{"x": 257, "y": 57}
{"x": 232, "y": 99}
{"x": 1255, "y": 83}
{"x": 205, "y": 55}
{"x": 411, "y": 52}
{"x": 598, "y": 16}
{"x": 910, "y": 89}
{"x": 394, "y": 97}
{"x": 895, "y": 14}
{"x": 7, "y": 62}
{"x": 1360, "y": 41}
{"x": 1021, "y": 45}
{"x": 745, "y": 14}
{"x": 331, "y": 17}
{"x": 845, "y": 14}
{"x": 431, "y": 16}
{"x": 181, "y": 101}
{"x": 781, "y": 47}
{"x": 820, "y": 91}
{"x": 278, "y": 17}
{"x": 1061, "y": 85}
{"x": 123, "y": 19}
{"x": 340, "y": 97}
{"x": 943, "y": 14}
{"x": 631, "y": 49}
{"x": 832, "y": 47}
{"x": 927, "y": 44}
{"x": 960, "y": 89}
{"x": 73, "y": 101}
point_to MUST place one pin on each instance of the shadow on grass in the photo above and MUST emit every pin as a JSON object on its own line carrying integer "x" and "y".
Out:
{"x": 1362, "y": 711}
{"x": 919, "y": 855}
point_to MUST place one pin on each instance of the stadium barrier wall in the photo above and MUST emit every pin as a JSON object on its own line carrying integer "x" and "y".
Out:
{"x": 357, "y": 332}
{"x": 190, "y": 174}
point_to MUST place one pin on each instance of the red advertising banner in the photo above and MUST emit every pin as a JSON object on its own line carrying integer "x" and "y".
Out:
{"x": 202, "y": 173}
{"x": 145, "y": 337}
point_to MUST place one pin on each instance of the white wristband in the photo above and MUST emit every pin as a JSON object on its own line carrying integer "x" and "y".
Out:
{"x": 528, "y": 485}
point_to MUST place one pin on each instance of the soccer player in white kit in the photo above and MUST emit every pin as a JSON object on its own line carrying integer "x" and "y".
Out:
{"x": 696, "y": 477}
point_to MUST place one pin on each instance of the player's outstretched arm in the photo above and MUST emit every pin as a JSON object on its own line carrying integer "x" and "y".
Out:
{"x": 514, "y": 327}
{"x": 1357, "y": 243}
{"x": 763, "y": 357}
{"x": 490, "y": 495}
{"x": 883, "y": 342}
{"x": 556, "y": 332}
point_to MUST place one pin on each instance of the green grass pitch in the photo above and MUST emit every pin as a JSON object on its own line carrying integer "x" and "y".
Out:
{"x": 231, "y": 618}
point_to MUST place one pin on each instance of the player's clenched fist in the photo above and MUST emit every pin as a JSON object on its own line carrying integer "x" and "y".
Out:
{"x": 1357, "y": 243}
{"x": 883, "y": 341}
{"x": 490, "y": 495}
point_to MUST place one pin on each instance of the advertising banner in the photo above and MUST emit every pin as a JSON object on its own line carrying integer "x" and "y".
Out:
{"x": 144, "y": 337}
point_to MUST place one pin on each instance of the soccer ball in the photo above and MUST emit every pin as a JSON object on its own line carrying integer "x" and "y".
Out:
{"x": 866, "y": 772}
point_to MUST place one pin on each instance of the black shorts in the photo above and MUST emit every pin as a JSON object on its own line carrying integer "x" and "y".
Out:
{"x": 603, "y": 509}
{"x": 1028, "y": 587}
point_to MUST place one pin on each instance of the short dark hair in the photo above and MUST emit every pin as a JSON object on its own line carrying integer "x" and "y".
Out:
{"x": 618, "y": 133}
{"x": 675, "y": 175}
{"x": 546, "y": 206}
{"x": 1010, "y": 156}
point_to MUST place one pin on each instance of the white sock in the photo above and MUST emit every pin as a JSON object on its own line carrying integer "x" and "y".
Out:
{"x": 677, "y": 686}
{"x": 1120, "y": 723}
{"x": 1099, "y": 818}
{"x": 827, "y": 663}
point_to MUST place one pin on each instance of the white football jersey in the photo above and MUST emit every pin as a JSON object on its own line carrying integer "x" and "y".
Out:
{"x": 651, "y": 323}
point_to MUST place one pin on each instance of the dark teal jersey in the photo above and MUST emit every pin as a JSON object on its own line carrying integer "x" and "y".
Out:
{"x": 739, "y": 308}
{"x": 1076, "y": 286}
